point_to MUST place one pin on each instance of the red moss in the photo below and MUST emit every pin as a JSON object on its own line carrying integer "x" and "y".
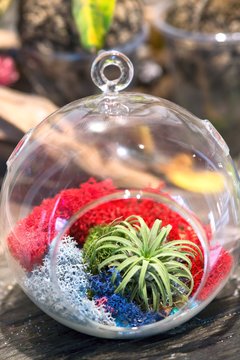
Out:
{"x": 29, "y": 240}
{"x": 221, "y": 263}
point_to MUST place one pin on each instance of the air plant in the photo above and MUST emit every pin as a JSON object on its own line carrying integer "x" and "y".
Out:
{"x": 154, "y": 272}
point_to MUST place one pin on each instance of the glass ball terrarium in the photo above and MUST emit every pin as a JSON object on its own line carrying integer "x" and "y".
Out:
{"x": 120, "y": 211}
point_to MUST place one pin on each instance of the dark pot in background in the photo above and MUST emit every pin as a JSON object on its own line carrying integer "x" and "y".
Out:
{"x": 205, "y": 70}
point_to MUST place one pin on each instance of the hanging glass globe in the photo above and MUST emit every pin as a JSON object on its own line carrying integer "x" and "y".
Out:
{"x": 120, "y": 212}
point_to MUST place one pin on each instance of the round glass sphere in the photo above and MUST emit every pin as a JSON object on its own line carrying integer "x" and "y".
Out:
{"x": 120, "y": 212}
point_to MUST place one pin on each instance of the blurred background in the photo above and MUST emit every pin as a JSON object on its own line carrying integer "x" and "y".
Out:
{"x": 186, "y": 51}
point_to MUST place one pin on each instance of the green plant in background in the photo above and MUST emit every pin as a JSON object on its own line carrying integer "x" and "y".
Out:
{"x": 154, "y": 271}
{"x": 94, "y": 234}
{"x": 93, "y": 19}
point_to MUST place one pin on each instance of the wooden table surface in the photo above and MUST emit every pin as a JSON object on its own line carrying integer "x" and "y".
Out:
{"x": 27, "y": 333}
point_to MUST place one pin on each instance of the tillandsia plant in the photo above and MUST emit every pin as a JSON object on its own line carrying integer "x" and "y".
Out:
{"x": 93, "y": 19}
{"x": 154, "y": 272}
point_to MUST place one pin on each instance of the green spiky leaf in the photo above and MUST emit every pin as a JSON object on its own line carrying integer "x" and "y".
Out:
{"x": 93, "y": 19}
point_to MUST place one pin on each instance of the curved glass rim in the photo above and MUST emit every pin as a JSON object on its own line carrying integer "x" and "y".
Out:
{"x": 171, "y": 31}
{"x": 201, "y": 37}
